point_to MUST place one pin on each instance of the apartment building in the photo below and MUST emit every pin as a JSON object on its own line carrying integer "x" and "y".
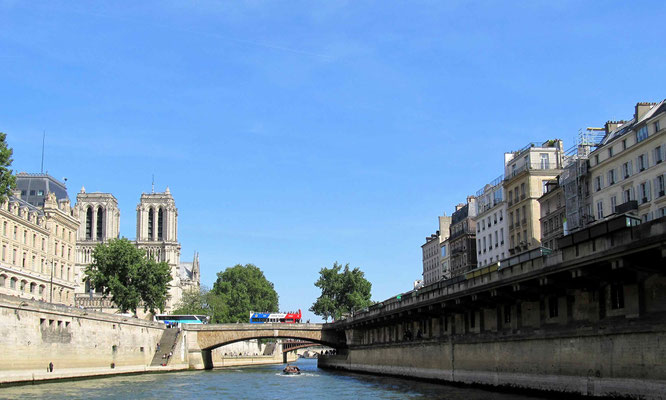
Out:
{"x": 553, "y": 214}
{"x": 626, "y": 170}
{"x": 462, "y": 239}
{"x": 526, "y": 173}
{"x": 491, "y": 226}
{"x": 432, "y": 252}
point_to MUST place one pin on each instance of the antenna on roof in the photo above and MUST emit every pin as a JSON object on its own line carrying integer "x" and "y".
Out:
{"x": 153, "y": 189}
{"x": 43, "y": 140}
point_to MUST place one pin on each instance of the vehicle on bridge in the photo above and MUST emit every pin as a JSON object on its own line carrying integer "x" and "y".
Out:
{"x": 168, "y": 319}
{"x": 285, "y": 318}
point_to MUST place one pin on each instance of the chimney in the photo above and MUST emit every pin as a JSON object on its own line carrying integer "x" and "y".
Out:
{"x": 459, "y": 206}
{"x": 642, "y": 109}
{"x": 612, "y": 125}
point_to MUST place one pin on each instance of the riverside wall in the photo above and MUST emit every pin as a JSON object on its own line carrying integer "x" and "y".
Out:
{"x": 79, "y": 343}
{"x": 626, "y": 365}
{"x": 589, "y": 319}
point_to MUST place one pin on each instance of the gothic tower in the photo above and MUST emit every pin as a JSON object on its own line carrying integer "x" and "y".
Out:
{"x": 99, "y": 219}
{"x": 157, "y": 234}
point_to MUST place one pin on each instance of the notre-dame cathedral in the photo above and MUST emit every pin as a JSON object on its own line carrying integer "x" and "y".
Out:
{"x": 156, "y": 233}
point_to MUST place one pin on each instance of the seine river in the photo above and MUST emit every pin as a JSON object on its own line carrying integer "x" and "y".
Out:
{"x": 260, "y": 382}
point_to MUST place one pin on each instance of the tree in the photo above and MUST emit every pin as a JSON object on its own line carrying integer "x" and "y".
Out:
{"x": 123, "y": 271}
{"x": 7, "y": 178}
{"x": 243, "y": 288}
{"x": 203, "y": 301}
{"x": 341, "y": 293}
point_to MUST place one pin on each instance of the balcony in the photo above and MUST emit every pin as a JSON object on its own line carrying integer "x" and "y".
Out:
{"x": 530, "y": 167}
{"x": 460, "y": 233}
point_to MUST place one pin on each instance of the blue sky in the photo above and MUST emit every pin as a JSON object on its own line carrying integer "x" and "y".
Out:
{"x": 295, "y": 134}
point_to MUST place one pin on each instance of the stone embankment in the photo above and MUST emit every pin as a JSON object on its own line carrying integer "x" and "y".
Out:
{"x": 80, "y": 343}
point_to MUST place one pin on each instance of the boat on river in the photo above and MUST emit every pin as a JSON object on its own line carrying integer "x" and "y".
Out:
{"x": 291, "y": 370}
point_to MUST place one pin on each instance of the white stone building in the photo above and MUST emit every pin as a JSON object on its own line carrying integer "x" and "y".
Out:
{"x": 626, "y": 170}
{"x": 491, "y": 224}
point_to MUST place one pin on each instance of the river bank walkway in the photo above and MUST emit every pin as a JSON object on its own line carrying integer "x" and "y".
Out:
{"x": 27, "y": 376}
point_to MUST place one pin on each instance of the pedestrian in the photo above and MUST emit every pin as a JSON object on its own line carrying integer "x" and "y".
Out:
{"x": 158, "y": 347}
{"x": 50, "y": 366}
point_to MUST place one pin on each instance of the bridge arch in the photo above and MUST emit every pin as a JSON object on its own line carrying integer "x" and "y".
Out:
{"x": 202, "y": 339}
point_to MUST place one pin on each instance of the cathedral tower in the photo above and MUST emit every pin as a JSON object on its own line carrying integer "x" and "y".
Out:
{"x": 99, "y": 219}
{"x": 157, "y": 234}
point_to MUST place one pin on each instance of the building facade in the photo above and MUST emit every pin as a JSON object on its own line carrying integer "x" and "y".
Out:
{"x": 430, "y": 250}
{"x": 526, "y": 173}
{"x": 626, "y": 170}
{"x": 462, "y": 238}
{"x": 553, "y": 214}
{"x": 491, "y": 226}
{"x": 38, "y": 249}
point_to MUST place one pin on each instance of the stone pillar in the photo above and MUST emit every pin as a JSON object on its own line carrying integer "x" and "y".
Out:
{"x": 93, "y": 227}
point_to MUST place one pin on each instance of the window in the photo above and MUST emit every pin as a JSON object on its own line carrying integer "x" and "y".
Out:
{"x": 597, "y": 183}
{"x": 659, "y": 185}
{"x": 518, "y": 216}
{"x": 40, "y": 193}
{"x": 501, "y": 217}
{"x": 610, "y": 152}
{"x": 624, "y": 144}
{"x": 600, "y": 210}
{"x": 627, "y": 195}
{"x": 510, "y": 198}
{"x": 522, "y": 190}
{"x": 596, "y": 159}
{"x": 496, "y": 241}
{"x": 657, "y": 155}
{"x": 644, "y": 191}
{"x": 642, "y": 162}
{"x": 553, "y": 307}
{"x": 617, "y": 296}
{"x": 611, "y": 176}
{"x": 626, "y": 170}
{"x": 642, "y": 134}
{"x": 613, "y": 201}
{"x": 15, "y": 232}
{"x": 545, "y": 163}
{"x": 502, "y": 235}
{"x": 656, "y": 126}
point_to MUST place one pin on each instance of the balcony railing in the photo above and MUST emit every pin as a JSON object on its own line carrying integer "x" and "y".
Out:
{"x": 529, "y": 167}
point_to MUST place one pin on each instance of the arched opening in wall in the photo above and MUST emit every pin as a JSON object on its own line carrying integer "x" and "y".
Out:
{"x": 12, "y": 283}
{"x": 89, "y": 215}
{"x": 160, "y": 222}
{"x": 100, "y": 223}
{"x": 150, "y": 223}
{"x": 3, "y": 280}
{"x": 42, "y": 288}
{"x": 24, "y": 285}
{"x": 33, "y": 286}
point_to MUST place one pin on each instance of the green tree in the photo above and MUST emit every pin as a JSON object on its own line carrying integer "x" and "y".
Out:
{"x": 243, "y": 288}
{"x": 203, "y": 301}
{"x": 7, "y": 178}
{"x": 341, "y": 292}
{"x": 123, "y": 271}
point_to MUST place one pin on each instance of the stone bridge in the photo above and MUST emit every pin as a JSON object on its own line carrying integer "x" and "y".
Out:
{"x": 201, "y": 339}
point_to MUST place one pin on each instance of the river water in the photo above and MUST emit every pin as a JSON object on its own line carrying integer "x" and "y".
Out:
{"x": 259, "y": 382}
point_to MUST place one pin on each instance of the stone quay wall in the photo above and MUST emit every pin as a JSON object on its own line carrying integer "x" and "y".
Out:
{"x": 78, "y": 342}
{"x": 589, "y": 319}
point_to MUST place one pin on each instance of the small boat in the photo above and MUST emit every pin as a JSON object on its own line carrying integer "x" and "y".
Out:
{"x": 291, "y": 370}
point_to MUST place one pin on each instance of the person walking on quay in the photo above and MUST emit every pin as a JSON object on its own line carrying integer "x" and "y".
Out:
{"x": 50, "y": 367}
{"x": 158, "y": 346}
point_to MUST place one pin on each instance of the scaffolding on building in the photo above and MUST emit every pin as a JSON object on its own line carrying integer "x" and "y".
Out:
{"x": 574, "y": 179}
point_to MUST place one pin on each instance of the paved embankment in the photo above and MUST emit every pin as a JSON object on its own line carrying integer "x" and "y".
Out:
{"x": 26, "y": 377}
